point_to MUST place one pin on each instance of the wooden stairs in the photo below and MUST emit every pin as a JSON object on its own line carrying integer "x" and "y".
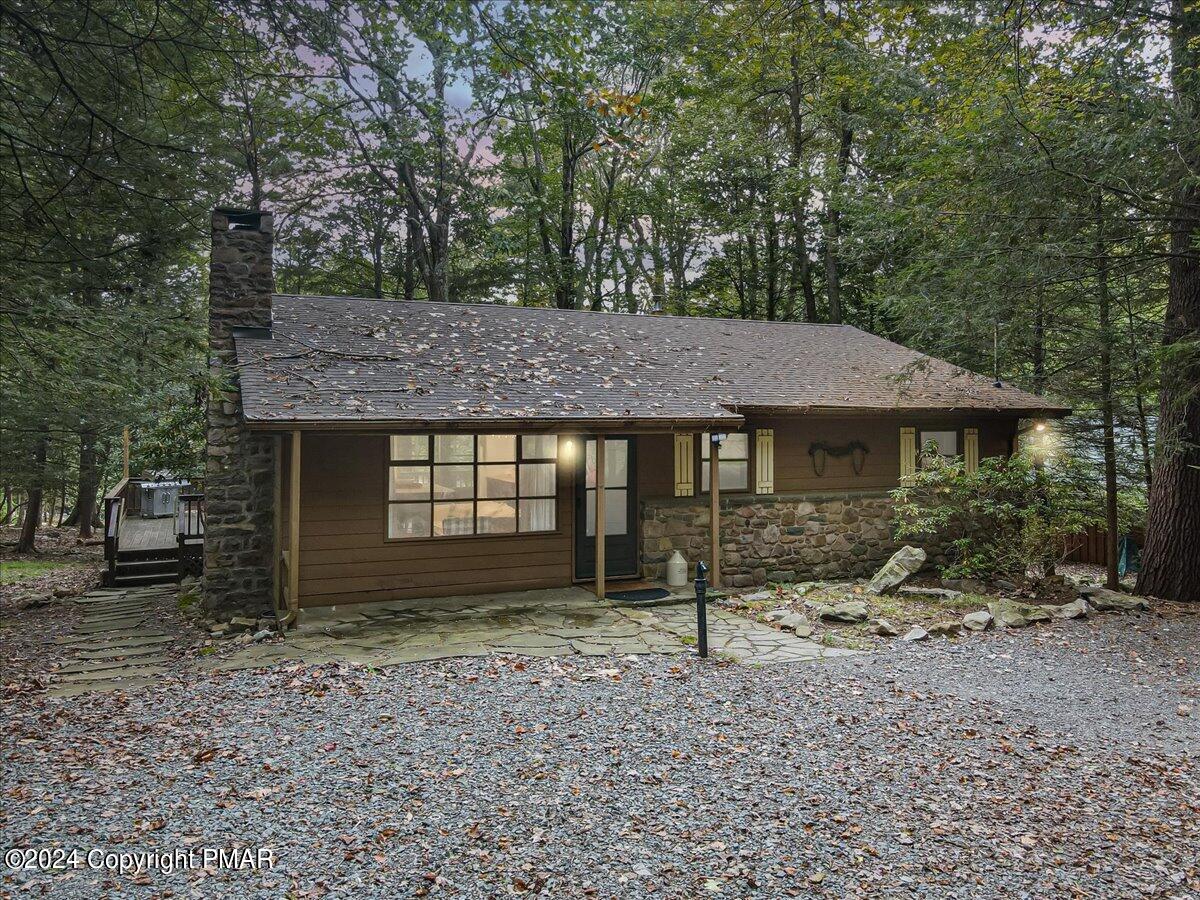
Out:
{"x": 142, "y": 568}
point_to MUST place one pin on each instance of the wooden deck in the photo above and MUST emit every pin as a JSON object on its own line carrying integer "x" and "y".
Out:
{"x": 139, "y": 534}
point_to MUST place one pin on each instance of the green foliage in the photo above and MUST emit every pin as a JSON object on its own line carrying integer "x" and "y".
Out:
{"x": 1005, "y": 519}
{"x": 977, "y": 181}
{"x": 173, "y": 440}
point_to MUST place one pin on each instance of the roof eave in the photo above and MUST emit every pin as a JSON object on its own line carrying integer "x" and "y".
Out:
{"x": 1018, "y": 412}
{"x": 544, "y": 425}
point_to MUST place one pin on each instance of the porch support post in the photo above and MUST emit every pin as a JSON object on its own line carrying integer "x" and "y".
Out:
{"x": 277, "y": 529}
{"x": 600, "y": 516}
{"x": 294, "y": 526}
{"x": 714, "y": 482}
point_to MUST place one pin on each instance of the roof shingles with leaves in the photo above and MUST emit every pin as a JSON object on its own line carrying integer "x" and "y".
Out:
{"x": 347, "y": 361}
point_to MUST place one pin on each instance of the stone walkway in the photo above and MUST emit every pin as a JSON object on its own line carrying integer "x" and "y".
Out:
{"x": 743, "y": 639}
{"x": 560, "y": 622}
{"x": 117, "y": 644}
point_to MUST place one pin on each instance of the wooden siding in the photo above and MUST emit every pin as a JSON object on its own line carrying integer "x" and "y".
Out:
{"x": 345, "y": 557}
{"x": 794, "y": 467}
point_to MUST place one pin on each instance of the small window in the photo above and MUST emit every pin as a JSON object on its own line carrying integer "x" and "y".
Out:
{"x": 734, "y": 461}
{"x": 460, "y": 484}
{"x": 945, "y": 443}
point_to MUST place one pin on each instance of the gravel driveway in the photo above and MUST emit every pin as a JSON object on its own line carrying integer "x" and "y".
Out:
{"x": 1053, "y": 762}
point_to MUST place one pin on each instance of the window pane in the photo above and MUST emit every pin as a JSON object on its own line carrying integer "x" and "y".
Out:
{"x": 497, "y": 517}
{"x": 453, "y": 482}
{"x": 537, "y": 479}
{"x": 946, "y": 441}
{"x": 497, "y": 481}
{"x": 734, "y": 474}
{"x": 497, "y": 448}
{"x": 616, "y": 463}
{"x": 735, "y": 446}
{"x": 537, "y": 515}
{"x": 616, "y": 512}
{"x": 539, "y": 446}
{"x": 453, "y": 518}
{"x": 406, "y": 447}
{"x": 409, "y": 483}
{"x": 407, "y": 520}
{"x": 452, "y": 448}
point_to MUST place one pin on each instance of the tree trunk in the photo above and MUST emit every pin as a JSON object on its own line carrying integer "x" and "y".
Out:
{"x": 772, "y": 241}
{"x": 1143, "y": 420}
{"x": 801, "y": 271}
{"x": 564, "y": 292}
{"x": 833, "y": 223}
{"x": 89, "y": 483}
{"x": 1171, "y": 557}
{"x": 1106, "y": 401}
{"x": 33, "y": 503}
{"x": 410, "y": 275}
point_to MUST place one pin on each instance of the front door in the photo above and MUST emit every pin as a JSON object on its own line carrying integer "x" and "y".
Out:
{"x": 620, "y": 488}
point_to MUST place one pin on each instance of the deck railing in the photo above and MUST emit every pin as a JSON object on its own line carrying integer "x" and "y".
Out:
{"x": 189, "y": 532}
{"x": 189, "y": 517}
{"x": 114, "y": 514}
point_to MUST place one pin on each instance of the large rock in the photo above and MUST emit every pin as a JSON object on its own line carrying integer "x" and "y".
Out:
{"x": 796, "y": 623}
{"x": 1012, "y": 614}
{"x": 977, "y": 621}
{"x": 916, "y": 633}
{"x": 884, "y": 628}
{"x": 904, "y": 562}
{"x": 1076, "y": 609}
{"x": 940, "y": 593}
{"x": 847, "y": 611}
{"x": 964, "y": 585}
{"x": 1104, "y": 600}
{"x": 945, "y": 629}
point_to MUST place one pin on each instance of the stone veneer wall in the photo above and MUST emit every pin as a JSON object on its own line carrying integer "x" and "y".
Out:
{"x": 239, "y": 477}
{"x": 773, "y": 537}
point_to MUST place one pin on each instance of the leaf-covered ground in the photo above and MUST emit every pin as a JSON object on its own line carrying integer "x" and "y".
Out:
{"x": 1053, "y": 762}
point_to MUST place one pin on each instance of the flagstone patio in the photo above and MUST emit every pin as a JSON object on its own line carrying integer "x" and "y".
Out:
{"x": 119, "y": 644}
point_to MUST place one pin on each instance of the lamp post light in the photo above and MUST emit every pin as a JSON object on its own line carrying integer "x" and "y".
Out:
{"x": 701, "y": 612}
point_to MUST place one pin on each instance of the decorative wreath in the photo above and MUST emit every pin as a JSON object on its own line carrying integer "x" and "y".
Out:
{"x": 856, "y": 450}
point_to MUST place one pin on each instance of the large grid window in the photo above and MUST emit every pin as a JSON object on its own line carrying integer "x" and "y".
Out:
{"x": 734, "y": 461}
{"x": 944, "y": 442}
{"x": 440, "y": 485}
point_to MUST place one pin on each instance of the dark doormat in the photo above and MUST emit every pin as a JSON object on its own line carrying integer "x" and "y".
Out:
{"x": 644, "y": 595}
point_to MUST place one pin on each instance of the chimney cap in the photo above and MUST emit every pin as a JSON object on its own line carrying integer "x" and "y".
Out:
{"x": 244, "y": 219}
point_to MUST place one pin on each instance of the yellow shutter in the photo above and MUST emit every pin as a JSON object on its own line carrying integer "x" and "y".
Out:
{"x": 764, "y": 460}
{"x": 971, "y": 449}
{"x": 908, "y": 451}
{"x": 685, "y": 483}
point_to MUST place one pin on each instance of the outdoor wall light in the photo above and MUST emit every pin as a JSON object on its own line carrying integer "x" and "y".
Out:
{"x": 1040, "y": 426}
{"x": 717, "y": 437}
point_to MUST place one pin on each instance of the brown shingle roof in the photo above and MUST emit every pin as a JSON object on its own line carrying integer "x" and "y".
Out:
{"x": 357, "y": 361}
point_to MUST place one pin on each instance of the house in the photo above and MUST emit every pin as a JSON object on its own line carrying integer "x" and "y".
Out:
{"x": 372, "y": 450}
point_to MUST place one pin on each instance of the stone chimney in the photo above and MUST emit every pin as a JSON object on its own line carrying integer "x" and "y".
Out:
{"x": 239, "y": 476}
